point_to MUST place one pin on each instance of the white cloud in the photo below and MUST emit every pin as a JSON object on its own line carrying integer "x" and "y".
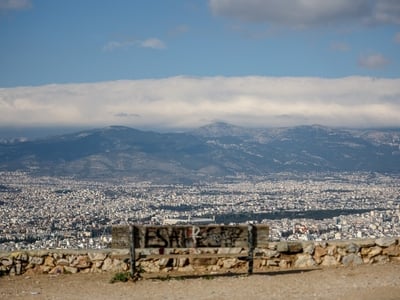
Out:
{"x": 153, "y": 43}
{"x": 307, "y": 13}
{"x": 9, "y": 5}
{"x": 181, "y": 102}
{"x": 373, "y": 61}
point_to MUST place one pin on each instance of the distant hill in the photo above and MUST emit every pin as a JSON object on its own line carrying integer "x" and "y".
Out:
{"x": 213, "y": 151}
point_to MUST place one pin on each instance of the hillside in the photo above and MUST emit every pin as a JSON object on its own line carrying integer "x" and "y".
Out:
{"x": 207, "y": 153}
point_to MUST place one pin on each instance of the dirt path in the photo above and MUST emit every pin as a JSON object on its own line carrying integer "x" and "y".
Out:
{"x": 362, "y": 282}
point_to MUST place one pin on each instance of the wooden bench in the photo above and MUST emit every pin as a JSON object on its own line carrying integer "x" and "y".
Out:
{"x": 247, "y": 236}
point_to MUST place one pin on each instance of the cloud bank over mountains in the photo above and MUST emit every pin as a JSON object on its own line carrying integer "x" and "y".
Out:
{"x": 184, "y": 102}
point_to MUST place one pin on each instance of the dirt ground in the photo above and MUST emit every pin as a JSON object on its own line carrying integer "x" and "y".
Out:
{"x": 361, "y": 282}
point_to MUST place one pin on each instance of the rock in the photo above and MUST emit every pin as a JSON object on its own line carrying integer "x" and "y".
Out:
{"x": 203, "y": 261}
{"x": 284, "y": 264}
{"x": 308, "y": 248}
{"x": 319, "y": 252}
{"x": 45, "y": 269}
{"x": 22, "y": 256}
{"x": 332, "y": 250}
{"x": 270, "y": 253}
{"x": 7, "y": 261}
{"x": 341, "y": 251}
{"x": 98, "y": 264}
{"x": 282, "y": 247}
{"x": 366, "y": 243}
{"x": 230, "y": 263}
{"x": 62, "y": 262}
{"x": 364, "y": 251}
{"x": 395, "y": 259}
{"x": 273, "y": 262}
{"x": 272, "y": 245}
{"x": 97, "y": 256}
{"x": 118, "y": 253}
{"x": 295, "y": 247}
{"x": 304, "y": 261}
{"x": 386, "y": 241}
{"x": 57, "y": 270}
{"x": 352, "y": 248}
{"x": 166, "y": 270}
{"x": 352, "y": 259}
{"x": 18, "y": 268}
{"x": 119, "y": 265}
{"x": 36, "y": 260}
{"x": 234, "y": 250}
{"x": 329, "y": 261}
{"x": 58, "y": 256}
{"x": 147, "y": 266}
{"x": 70, "y": 270}
{"x": 188, "y": 268}
{"x": 381, "y": 259}
{"x": 34, "y": 271}
{"x": 366, "y": 260}
{"x": 40, "y": 253}
{"x": 393, "y": 250}
{"x": 213, "y": 268}
{"x": 49, "y": 261}
{"x": 374, "y": 251}
{"x": 89, "y": 270}
{"x": 82, "y": 262}
{"x": 339, "y": 243}
{"x": 71, "y": 259}
{"x": 107, "y": 264}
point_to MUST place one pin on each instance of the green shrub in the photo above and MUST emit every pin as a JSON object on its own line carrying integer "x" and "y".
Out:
{"x": 122, "y": 277}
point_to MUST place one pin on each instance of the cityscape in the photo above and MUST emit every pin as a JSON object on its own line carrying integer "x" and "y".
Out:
{"x": 52, "y": 212}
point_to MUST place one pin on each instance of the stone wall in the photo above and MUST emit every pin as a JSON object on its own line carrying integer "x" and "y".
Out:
{"x": 63, "y": 261}
{"x": 276, "y": 256}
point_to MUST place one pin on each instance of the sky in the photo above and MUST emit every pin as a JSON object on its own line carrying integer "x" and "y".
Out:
{"x": 181, "y": 64}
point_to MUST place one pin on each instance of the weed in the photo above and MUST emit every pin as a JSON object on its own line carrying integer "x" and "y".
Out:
{"x": 122, "y": 277}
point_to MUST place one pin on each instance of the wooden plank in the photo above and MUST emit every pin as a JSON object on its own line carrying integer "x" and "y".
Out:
{"x": 189, "y": 236}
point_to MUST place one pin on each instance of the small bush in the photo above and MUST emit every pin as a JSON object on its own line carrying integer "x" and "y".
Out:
{"x": 121, "y": 277}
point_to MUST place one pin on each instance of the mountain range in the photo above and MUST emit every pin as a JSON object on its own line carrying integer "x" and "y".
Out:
{"x": 211, "y": 152}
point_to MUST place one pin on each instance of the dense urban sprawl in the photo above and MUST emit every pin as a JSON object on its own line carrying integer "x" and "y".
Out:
{"x": 47, "y": 212}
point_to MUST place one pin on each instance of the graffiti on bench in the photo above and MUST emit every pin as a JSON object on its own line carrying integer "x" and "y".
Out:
{"x": 188, "y": 236}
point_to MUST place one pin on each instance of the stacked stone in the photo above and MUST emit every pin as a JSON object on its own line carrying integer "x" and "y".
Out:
{"x": 196, "y": 261}
{"x": 278, "y": 255}
{"x": 282, "y": 255}
{"x": 58, "y": 262}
